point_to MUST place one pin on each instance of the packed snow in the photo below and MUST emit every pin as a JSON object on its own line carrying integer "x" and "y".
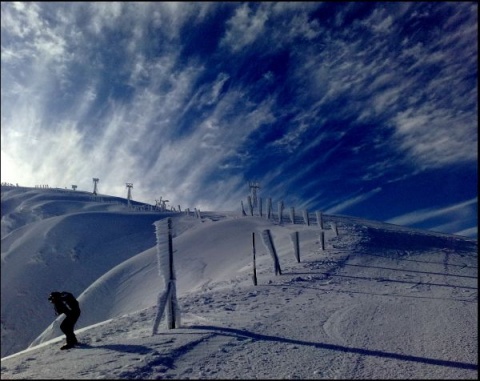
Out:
{"x": 378, "y": 301}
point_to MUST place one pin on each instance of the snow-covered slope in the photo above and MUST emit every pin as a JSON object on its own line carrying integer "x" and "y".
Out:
{"x": 380, "y": 301}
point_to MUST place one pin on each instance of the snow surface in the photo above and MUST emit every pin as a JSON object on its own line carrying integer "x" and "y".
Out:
{"x": 380, "y": 301}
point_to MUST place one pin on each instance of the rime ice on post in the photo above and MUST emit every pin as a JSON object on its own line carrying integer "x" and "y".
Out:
{"x": 305, "y": 217}
{"x": 268, "y": 242}
{"x": 168, "y": 298}
{"x": 321, "y": 238}
{"x": 333, "y": 226}
{"x": 250, "y": 205}
{"x": 269, "y": 208}
{"x": 243, "y": 209}
{"x": 296, "y": 245}
{"x": 280, "y": 212}
{"x": 319, "y": 219}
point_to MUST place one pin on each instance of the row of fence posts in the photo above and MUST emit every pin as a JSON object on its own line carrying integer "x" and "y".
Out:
{"x": 281, "y": 207}
{"x": 152, "y": 208}
{"x": 167, "y": 300}
{"x": 196, "y": 213}
{"x": 270, "y": 246}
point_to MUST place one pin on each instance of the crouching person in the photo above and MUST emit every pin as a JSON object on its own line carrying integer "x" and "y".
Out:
{"x": 65, "y": 303}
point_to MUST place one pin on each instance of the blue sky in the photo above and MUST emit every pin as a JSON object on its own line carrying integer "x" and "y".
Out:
{"x": 363, "y": 109}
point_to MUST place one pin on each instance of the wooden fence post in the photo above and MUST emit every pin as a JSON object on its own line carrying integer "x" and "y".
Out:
{"x": 305, "y": 217}
{"x": 254, "y": 264}
{"x": 296, "y": 245}
{"x": 334, "y": 227}
{"x": 319, "y": 219}
{"x": 280, "y": 212}
{"x": 168, "y": 298}
{"x": 268, "y": 242}
{"x": 243, "y": 209}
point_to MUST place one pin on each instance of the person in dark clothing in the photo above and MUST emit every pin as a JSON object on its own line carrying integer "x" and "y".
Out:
{"x": 65, "y": 303}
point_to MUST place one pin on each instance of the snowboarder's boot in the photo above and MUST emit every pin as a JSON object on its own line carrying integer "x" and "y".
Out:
{"x": 67, "y": 346}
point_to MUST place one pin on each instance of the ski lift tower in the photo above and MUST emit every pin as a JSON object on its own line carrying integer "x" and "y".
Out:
{"x": 253, "y": 192}
{"x": 74, "y": 187}
{"x": 95, "y": 181}
{"x": 129, "y": 194}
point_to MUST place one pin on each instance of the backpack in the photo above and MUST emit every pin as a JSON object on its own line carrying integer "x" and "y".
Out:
{"x": 70, "y": 301}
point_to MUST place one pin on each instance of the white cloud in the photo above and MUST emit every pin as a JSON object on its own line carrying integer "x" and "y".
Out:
{"x": 140, "y": 133}
{"x": 23, "y": 20}
{"x": 434, "y": 137}
{"x": 353, "y": 201}
{"x": 379, "y": 21}
{"x": 427, "y": 214}
{"x": 244, "y": 27}
{"x": 292, "y": 139}
{"x": 386, "y": 89}
{"x": 104, "y": 15}
{"x": 470, "y": 232}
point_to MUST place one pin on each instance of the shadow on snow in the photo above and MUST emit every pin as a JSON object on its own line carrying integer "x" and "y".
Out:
{"x": 365, "y": 352}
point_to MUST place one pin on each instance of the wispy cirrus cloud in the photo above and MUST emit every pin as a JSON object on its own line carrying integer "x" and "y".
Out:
{"x": 318, "y": 100}
{"x": 422, "y": 215}
{"x": 352, "y": 201}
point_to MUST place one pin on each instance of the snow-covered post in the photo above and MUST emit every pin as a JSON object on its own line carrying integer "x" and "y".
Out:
{"x": 254, "y": 263}
{"x": 260, "y": 207}
{"x": 319, "y": 219}
{"x": 197, "y": 213}
{"x": 179, "y": 209}
{"x": 250, "y": 205}
{"x": 280, "y": 212}
{"x": 296, "y": 245}
{"x": 305, "y": 217}
{"x": 269, "y": 208}
{"x": 243, "y": 209}
{"x": 321, "y": 237}
{"x": 333, "y": 226}
{"x": 268, "y": 242}
{"x": 168, "y": 298}
{"x": 292, "y": 215}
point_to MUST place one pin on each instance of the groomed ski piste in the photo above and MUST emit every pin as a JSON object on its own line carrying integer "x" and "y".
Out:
{"x": 378, "y": 301}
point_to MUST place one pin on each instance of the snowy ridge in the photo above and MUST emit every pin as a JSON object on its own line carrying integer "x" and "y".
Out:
{"x": 380, "y": 301}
